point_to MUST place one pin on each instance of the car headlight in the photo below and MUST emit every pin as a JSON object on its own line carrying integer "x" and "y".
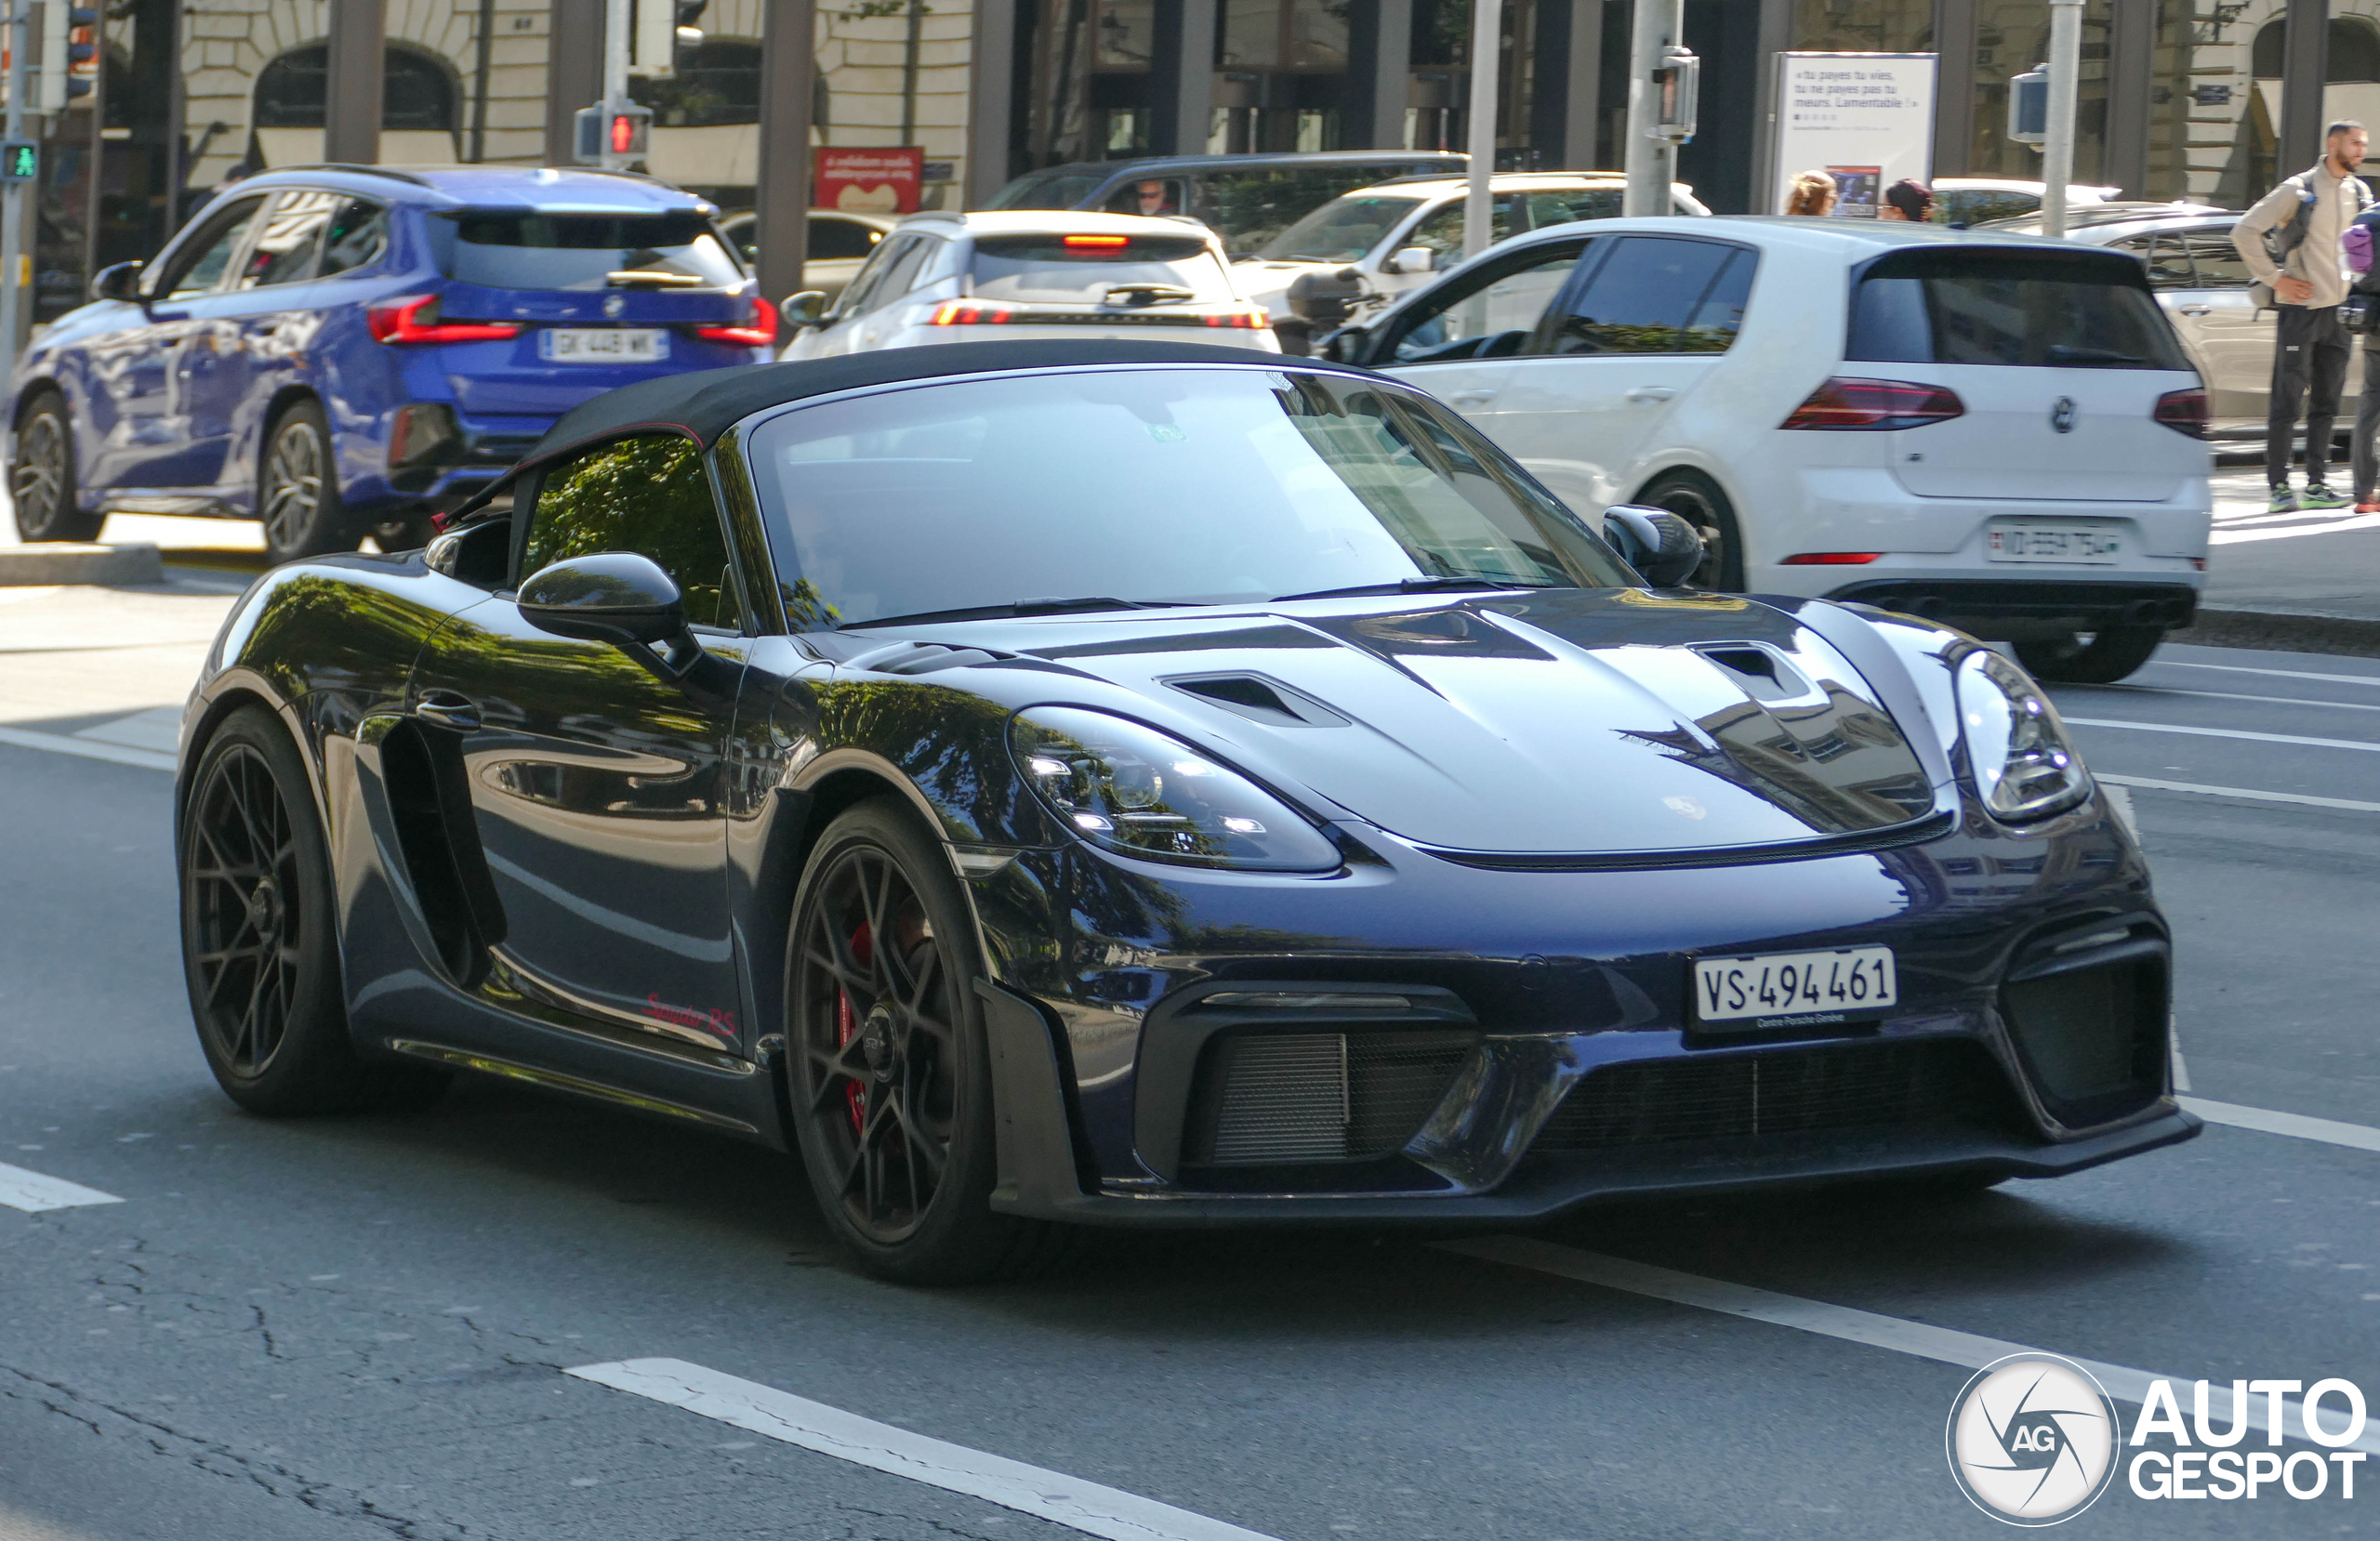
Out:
{"x": 2024, "y": 764}
{"x": 1142, "y": 792}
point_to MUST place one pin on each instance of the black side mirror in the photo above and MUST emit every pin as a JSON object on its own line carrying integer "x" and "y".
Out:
{"x": 617, "y": 597}
{"x": 120, "y": 283}
{"x": 803, "y": 310}
{"x": 1661, "y": 546}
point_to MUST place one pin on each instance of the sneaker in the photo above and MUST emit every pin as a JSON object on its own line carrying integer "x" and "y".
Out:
{"x": 2283, "y": 501}
{"x": 2318, "y": 496}
{"x": 2368, "y": 505}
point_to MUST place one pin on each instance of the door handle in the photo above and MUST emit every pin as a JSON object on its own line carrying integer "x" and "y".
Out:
{"x": 1652, "y": 393}
{"x": 1470, "y": 398}
{"x": 448, "y": 709}
{"x": 2198, "y": 310}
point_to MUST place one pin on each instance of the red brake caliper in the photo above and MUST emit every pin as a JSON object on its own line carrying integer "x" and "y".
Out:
{"x": 847, "y": 1022}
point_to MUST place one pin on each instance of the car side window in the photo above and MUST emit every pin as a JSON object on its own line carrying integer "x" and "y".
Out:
{"x": 357, "y": 236}
{"x": 833, "y": 240}
{"x": 1645, "y": 295}
{"x": 1489, "y": 314}
{"x": 2216, "y": 261}
{"x": 870, "y": 277}
{"x": 901, "y": 273}
{"x": 1442, "y": 232}
{"x": 289, "y": 241}
{"x": 201, "y": 267}
{"x": 649, "y": 494}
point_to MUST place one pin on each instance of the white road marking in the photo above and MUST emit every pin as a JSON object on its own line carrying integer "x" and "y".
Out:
{"x": 59, "y": 744}
{"x": 1919, "y": 1339}
{"x": 2297, "y": 1125}
{"x": 2236, "y": 695}
{"x": 33, "y": 1192}
{"x": 2151, "y": 783}
{"x": 1069, "y": 1501}
{"x": 2278, "y": 674}
{"x": 2120, "y": 800}
{"x": 160, "y": 730}
{"x": 2368, "y": 748}
{"x": 2181, "y": 1066}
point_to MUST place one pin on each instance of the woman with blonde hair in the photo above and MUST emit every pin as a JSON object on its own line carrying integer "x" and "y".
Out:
{"x": 1813, "y": 193}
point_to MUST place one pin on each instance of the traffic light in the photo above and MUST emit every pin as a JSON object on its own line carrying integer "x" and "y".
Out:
{"x": 20, "y": 161}
{"x": 623, "y": 129}
{"x": 57, "y": 59}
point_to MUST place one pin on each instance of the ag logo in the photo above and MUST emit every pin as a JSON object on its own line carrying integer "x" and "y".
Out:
{"x": 2062, "y": 413}
{"x": 2032, "y": 1439}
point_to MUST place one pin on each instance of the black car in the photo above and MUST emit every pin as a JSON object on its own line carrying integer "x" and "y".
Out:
{"x": 1149, "y": 783}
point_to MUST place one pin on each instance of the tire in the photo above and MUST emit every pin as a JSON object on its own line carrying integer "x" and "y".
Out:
{"x": 888, "y": 1071}
{"x": 409, "y": 531}
{"x": 41, "y": 481}
{"x": 297, "y": 488}
{"x": 2091, "y": 658}
{"x": 1696, "y": 499}
{"x": 260, "y": 940}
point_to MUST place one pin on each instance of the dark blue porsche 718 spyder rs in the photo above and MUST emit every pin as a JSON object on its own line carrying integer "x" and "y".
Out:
{"x": 1062, "y": 782}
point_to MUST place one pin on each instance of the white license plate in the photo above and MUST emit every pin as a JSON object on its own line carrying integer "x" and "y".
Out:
{"x": 2009, "y": 540}
{"x": 604, "y": 345}
{"x": 1794, "y": 988}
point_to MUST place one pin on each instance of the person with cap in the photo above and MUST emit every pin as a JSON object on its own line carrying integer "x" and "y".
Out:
{"x": 2292, "y": 241}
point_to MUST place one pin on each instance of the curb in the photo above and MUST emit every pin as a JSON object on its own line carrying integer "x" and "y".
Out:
{"x": 2283, "y": 631}
{"x": 74, "y": 563}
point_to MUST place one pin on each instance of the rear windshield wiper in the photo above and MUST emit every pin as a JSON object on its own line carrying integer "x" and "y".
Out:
{"x": 2064, "y": 353}
{"x": 1019, "y": 607}
{"x": 1415, "y": 586}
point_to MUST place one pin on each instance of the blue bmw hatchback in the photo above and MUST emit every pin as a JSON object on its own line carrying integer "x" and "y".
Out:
{"x": 340, "y": 351}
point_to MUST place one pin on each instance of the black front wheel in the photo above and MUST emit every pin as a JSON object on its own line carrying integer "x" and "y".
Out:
{"x": 41, "y": 480}
{"x": 260, "y": 943}
{"x": 2091, "y": 658}
{"x": 890, "y": 1075}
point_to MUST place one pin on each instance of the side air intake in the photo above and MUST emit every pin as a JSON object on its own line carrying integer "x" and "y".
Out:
{"x": 1296, "y": 1099}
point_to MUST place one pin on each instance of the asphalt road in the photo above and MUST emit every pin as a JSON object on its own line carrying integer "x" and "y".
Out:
{"x": 361, "y": 1327}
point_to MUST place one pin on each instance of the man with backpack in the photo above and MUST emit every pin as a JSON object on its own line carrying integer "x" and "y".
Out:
{"x": 2292, "y": 242}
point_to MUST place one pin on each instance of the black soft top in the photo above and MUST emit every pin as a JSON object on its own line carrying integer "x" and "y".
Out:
{"x": 706, "y": 402}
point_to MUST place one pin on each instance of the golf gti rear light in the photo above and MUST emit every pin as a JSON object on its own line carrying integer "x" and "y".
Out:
{"x": 2183, "y": 411}
{"x": 966, "y": 312}
{"x": 1844, "y": 403}
{"x": 1832, "y": 558}
{"x": 762, "y": 332}
{"x": 414, "y": 317}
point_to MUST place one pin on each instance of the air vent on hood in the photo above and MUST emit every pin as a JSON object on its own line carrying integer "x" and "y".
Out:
{"x": 923, "y": 658}
{"x": 1259, "y": 700}
{"x": 1762, "y": 674}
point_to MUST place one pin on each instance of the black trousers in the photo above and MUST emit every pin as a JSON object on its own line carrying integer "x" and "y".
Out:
{"x": 2309, "y": 369}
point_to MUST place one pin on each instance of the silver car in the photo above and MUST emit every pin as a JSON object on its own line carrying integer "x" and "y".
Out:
{"x": 2203, "y": 283}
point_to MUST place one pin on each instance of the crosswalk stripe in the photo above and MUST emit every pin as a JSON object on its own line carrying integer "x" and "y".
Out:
{"x": 34, "y": 1193}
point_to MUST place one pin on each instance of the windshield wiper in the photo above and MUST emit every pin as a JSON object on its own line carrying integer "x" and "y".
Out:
{"x": 2067, "y": 353}
{"x": 1417, "y": 586}
{"x": 1019, "y": 607}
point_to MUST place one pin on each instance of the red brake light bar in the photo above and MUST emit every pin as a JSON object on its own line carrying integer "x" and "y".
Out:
{"x": 1103, "y": 243}
{"x": 1843, "y": 402}
{"x": 414, "y": 317}
{"x": 1250, "y": 320}
{"x": 1832, "y": 558}
{"x": 762, "y": 332}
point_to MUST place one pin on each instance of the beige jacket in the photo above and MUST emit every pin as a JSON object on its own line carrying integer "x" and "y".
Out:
{"x": 2320, "y": 259}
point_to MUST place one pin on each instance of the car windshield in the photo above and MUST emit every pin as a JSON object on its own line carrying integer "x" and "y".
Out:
{"x": 1147, "y": 486}
{"x": 1069, "y": 270}
{"x": 508, "y": 249}
{"x": 1061, "y": 189}
{"x": 1341, "y": 230}
{"x": 2039, "y": 309}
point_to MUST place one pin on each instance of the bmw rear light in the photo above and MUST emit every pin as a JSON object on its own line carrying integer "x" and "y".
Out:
{"x": 414, "y": 319}
{"x": 1843, "y": 402}
{"x": 2183, "y": 411}
{"x": 762, "y": 332}
{"x": 966, "y": 312}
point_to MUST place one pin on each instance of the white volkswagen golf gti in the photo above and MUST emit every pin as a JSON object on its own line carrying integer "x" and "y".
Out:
{"x": 2000, "y": 433}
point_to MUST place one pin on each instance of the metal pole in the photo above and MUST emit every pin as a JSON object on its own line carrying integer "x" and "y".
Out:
{"x": 1642, "y": 157}
{"x": 1486, "y": 56}
{"x": 2057, "y": 147}
{"x": 615, "y": 73}
{"x": 94, "y": 183}
{"x": 12, "y": 216}
{"x": 483, "y": 64}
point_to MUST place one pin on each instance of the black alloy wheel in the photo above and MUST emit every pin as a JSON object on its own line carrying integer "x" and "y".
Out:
{"x": 887, "y": 1069}
{"x": 259, "y": 945}
{"x": 1698, "y": 500}
{"x": 41, "y": 481}
{"x": 297, "y": 488}
{"x": 2090, "y": 657}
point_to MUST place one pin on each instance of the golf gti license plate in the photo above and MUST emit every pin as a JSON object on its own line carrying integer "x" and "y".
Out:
{"x": 604, "y": 345}
{"x": 1792, "y": 989}
{"x": 2012, "y": 540}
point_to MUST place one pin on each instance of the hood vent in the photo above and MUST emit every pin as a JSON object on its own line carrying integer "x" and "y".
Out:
{"x": 1259, "y": 700}
{"x": 923, "y": 658}
{"x": 1761, "y": 673}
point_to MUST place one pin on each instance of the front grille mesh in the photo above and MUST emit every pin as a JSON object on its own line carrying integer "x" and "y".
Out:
{"x": 1287, "y": 1099}
{"x": 1914, "y": 1084}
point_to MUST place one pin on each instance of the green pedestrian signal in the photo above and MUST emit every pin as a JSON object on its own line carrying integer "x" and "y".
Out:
{"x": 20, "y": 161}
